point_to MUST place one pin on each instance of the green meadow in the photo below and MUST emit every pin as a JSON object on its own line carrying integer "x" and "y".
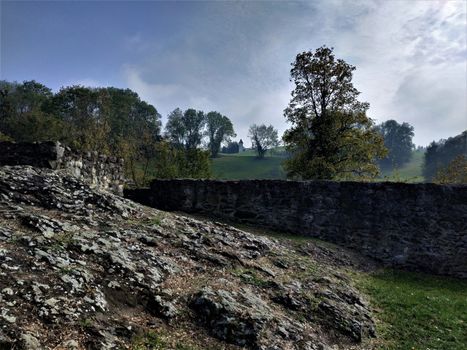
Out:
{"x": 410, "y": 172}
{"x": 416, "y": 311}
{"x": 246, "y": 166}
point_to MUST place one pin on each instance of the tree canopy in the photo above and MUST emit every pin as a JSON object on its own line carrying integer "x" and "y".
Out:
{"x": 454, "y": 173}
{"x": 219, "y": 129}
{"x": 185, "y": 129}
{"x": 331, "y": 137}
{"x": 398, "y": 140}
{"x": 440, "y": 154}
{"x": 263, "y": 138}
{"x": 232, "y": 147}
{"x": 110, "y": 120}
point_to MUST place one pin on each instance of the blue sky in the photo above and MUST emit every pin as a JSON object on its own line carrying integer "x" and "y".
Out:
{"x": 234, "y": 57}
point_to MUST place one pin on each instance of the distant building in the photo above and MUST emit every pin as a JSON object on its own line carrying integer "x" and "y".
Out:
{"x": 240, "y": 146}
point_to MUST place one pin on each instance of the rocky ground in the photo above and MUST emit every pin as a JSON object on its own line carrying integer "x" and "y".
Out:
{"x": 81, "y": 269}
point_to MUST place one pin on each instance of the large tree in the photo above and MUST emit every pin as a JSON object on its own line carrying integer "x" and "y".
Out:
{"x": 81, "y": 109}
{"x": 22, "y": 114}
{"x": 263, "y": 138}
{"x": 185, "y": 129}
{"x": 219, "y": 129}
{"x": 175, "y": 129}
{"x": 194, "y": 122}
{"x": 177, "y": 162}
{"x": 398, "y": 140}
{"x": 331, "y": 137}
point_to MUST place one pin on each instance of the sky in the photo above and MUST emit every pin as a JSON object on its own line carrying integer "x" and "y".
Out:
{"x": 235, "y": 57}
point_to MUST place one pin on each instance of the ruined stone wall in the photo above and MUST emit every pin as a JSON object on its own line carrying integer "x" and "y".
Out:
{"x": 416, "y": 226}
{"x": 97, "y": 170}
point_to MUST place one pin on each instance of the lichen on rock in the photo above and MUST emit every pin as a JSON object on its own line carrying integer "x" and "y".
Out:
{"x": 84, "y": 269}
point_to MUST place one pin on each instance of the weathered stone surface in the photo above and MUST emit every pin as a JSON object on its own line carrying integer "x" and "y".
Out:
{"x": 238, "y": 317}
{"x": 85, "y": 269}
{"x": 98, "y": 171}
{"x": 414, "y": 226}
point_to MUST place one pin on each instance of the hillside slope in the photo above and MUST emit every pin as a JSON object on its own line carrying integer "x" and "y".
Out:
{"x": 410, "y": 172}
{"x": 82, "y": 269}
{"x": 246, "y": 166}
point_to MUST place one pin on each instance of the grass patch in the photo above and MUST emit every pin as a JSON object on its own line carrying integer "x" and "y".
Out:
{"x": 153, "y": 220}
{"x": 86, "y": 323}
{"x": 250, "y": 276}
{"x": 66, "y": 270}
{"x": 247, "y": 167}
{"x": 150, "y": 340}
{"x": 262, "y": 231}
{"x": 296, "y": 240}
{"x": 156, "y": 341}
{"x": 61, "y": 241}
{"x": 410, "y": 172}
{"x": 156, "y": 219}
{"x": 418, "y": 311}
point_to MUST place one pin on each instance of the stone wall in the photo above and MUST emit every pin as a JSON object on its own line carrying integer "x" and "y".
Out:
{"x": 415, "y": 226}
{"x": 97, "y": 170}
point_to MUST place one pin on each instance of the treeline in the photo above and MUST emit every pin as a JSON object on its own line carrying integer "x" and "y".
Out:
{"x": 446, "y": 160}
{"x": 113, "y": 121}
{"x": 332, "y": 139}
{"x": 188, "y": 129}
{"x": 108, "y": 119}
{"x": 398, "y": 141}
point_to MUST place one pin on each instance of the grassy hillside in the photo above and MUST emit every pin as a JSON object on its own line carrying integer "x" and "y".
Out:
{"x": 417, "y": 311}
{"x": 414, "y": 311}
{"x": 246, "y": 166}
{"x": 410, "y": 172}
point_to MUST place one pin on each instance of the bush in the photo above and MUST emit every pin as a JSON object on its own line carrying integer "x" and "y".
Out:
{"x": 454, "y": 173}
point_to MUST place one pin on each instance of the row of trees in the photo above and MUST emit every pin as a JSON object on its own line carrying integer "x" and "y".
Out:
{"x": 446, "y": 159}
{"x": 331, "y": 136}
{"x": 187, "y": 129}
{"x": 398, "y": 141}
{"x": 102, "y": 118}
{"x": 116, "y": 121}
{"x": 113, "y": 121}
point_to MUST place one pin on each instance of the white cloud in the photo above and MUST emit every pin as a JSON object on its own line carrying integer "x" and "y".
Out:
{"x": 433, "y": 99}
{"x": 411, "y": 64}
{"x": 166, "y": 97}
{"x": 88, "y": 82}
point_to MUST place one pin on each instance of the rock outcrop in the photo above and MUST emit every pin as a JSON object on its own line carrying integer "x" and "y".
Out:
{"x": 83, "y": 269}
{"x": 97, "y": 170}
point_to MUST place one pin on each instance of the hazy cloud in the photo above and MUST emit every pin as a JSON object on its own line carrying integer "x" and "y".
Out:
{"x": 235, "y": 58}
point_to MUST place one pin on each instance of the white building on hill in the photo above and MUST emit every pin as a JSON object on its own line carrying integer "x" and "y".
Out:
{"x": 240, "y": 146}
